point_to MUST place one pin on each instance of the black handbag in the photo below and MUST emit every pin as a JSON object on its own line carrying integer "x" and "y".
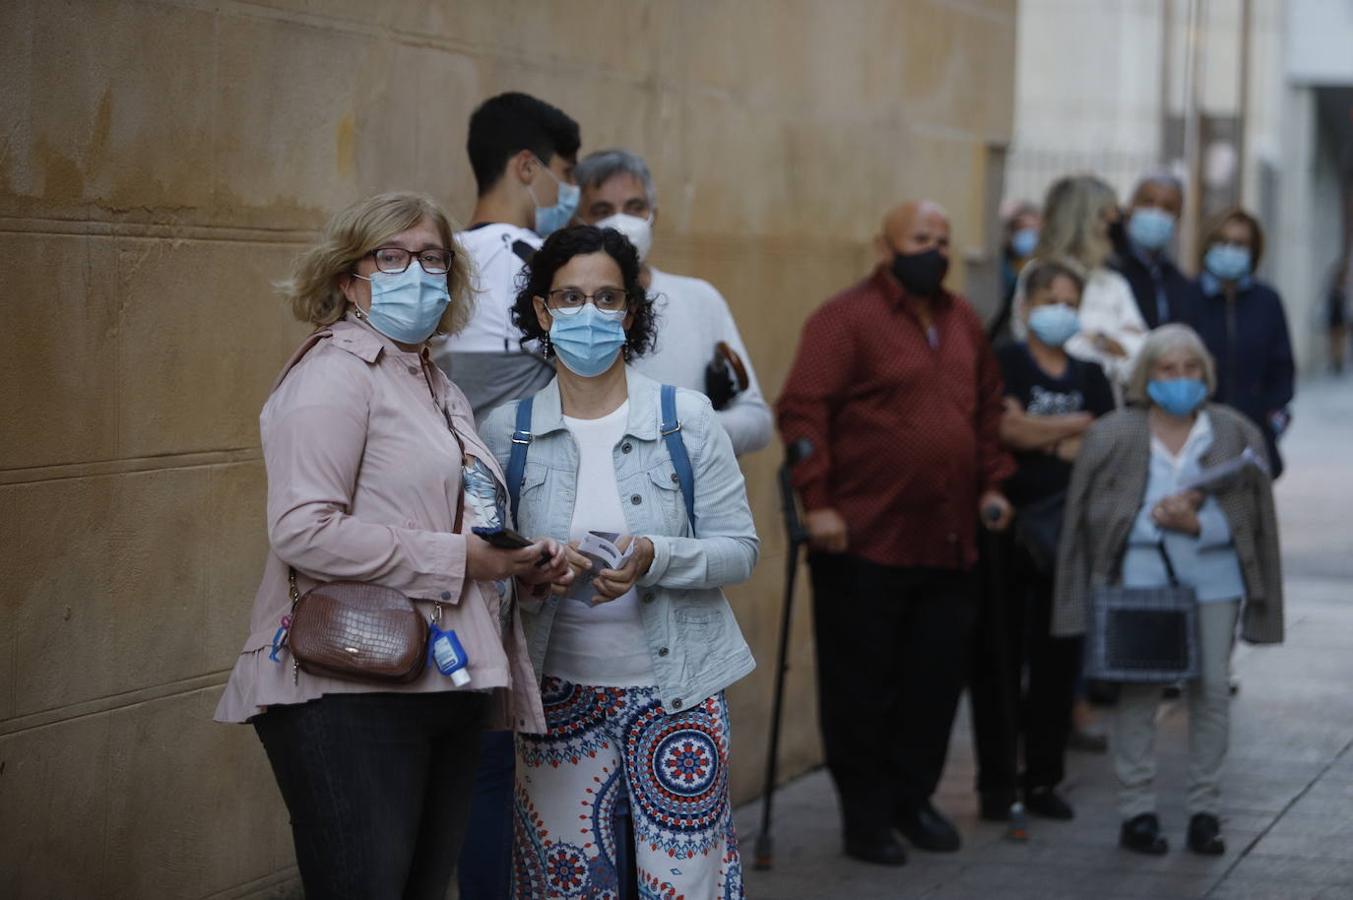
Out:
{"x": 1143, "y": 635}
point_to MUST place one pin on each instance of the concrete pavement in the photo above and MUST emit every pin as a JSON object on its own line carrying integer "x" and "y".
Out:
{"x": 1288, "y": 792}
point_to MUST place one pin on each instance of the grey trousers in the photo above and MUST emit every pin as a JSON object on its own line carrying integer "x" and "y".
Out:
{"x": 1209, "y": 699}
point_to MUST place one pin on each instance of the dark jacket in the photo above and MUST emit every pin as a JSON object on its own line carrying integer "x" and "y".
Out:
{"x": 1108, "y": 483}
{"x": 1150, "y": 279}
{"x": 1248, "y": 336}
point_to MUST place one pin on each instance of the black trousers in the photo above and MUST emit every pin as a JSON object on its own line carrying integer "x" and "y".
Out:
{"x": 378, "y": 787}
{"x": 1023, "y": 679}
{"x": 891, "y": 661}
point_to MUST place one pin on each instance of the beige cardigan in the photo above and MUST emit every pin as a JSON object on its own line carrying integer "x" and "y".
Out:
{"x": 1108, "y": 483}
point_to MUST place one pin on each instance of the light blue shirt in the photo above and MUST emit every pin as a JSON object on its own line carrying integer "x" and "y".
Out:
{"x": 1207, "y": 563}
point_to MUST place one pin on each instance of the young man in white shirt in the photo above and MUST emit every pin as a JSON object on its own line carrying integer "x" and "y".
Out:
{"x": 523, "y": 152}
{"x": 693, "y": 317}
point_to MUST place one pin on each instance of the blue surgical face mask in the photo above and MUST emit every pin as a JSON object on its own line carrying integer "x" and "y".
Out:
{"x": 1228, "y": 262}
{"x": 1178, "y": 396}
{"x": 550, "y": 219}
{"x": 1150, "y": 228}
{"x": 1023, "y": 242}
{"x": 406, "y": 306}
{"x": 1054, "y": 324}
{"x": 588, "y": 341}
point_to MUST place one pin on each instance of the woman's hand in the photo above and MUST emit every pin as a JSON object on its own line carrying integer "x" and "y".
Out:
{"x": 555, "y": 569}
{"x": 613, "y": 583}
{"x": 1107, "y": 345}
{"x": 1179, "y": 512}
{"x": 577, "y": 566}
{"x": 485, "y": 562}
{"x": 1067, "y": 449}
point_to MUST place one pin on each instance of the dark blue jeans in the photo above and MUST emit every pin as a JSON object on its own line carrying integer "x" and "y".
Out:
{"x": 485, "y": 868}
{"x": 378, "y": 787}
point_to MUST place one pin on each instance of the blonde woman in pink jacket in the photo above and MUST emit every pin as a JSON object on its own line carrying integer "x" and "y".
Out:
{"x": 370, "y": 454}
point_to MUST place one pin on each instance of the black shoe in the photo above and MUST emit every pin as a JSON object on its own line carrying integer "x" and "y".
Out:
{"x": 1205, "y": 835}
{"x": 994, "y": 807}
{"x": 1141, "y": 834}
{"x": 1172, "y": 691}
{"x": 928, "y": 830}
{"x": 1046, "y": 803}
{"x": 881, "y": 848}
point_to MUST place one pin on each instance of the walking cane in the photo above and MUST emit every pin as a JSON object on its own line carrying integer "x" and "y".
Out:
{"x": 795, "y": 453}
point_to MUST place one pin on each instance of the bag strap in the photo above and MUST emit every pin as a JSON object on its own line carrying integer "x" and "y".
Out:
{"x": 670, "y": 427}
{"x": 676, "y": 448}
{"x": 516, "y": 462}
{"x": 1169, "y": 566}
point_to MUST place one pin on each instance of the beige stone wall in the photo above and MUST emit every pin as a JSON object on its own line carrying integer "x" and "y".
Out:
{"x": 160, "y": 162}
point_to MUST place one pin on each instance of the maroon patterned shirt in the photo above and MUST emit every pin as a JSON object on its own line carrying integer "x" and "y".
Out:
{"x": 904, "y": 424}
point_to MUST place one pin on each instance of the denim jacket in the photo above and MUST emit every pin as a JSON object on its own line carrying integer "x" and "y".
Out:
{"x": 693, "y": 638}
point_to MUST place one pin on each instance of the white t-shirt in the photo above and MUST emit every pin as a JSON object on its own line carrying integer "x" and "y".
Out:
{"x": 692, "y": 317}
{"x": 600, "y": 645}
{"x": 496, "y": 267}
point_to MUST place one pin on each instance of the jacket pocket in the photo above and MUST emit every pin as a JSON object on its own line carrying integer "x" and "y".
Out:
{"x": 533, "y": 512}
{"x": 665, "y": 495}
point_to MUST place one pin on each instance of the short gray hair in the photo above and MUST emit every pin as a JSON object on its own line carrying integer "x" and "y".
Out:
{"x": 1159, "y": 342}
{"x": 597, "y": 168}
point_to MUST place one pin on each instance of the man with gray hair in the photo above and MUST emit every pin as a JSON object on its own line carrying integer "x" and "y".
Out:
{"x": 1163, "y": 293}
{"x": 698, "y": 345}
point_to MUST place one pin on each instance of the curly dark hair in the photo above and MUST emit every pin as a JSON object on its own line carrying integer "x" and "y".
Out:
{"x": 537, "y": 278}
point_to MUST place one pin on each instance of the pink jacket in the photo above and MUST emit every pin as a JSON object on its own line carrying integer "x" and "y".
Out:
{"x": 364, "y": 477}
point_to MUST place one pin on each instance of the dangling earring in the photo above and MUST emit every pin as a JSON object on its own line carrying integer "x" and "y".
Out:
{"x": 625, "y": 352}
{"x": 546, "y": 347}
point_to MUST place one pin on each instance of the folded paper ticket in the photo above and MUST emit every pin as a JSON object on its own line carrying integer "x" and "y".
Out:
{"x": 600, "y": 549}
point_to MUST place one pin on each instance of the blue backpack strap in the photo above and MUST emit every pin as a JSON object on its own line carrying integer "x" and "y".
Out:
{"x": 516, "y": 462}
{"x": 676, "y": 448}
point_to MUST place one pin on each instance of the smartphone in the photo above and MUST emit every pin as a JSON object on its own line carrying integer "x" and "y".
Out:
{"x": 507, "y": 539}
{"x": 502, "y": 538}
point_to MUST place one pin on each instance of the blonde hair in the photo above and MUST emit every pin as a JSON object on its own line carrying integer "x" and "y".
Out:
{"x": 313, "y": 289}
{"x": 1159, "y": 342}
{"x": 1071, "y": 221}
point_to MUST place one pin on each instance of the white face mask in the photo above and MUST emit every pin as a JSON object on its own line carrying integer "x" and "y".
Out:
{"x": 639, "y": 231}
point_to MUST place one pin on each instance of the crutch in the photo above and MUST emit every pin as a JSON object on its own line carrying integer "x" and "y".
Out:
{"x": 795, "y": 453}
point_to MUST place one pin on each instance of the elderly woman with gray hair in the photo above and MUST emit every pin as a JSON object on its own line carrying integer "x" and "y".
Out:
{"x": 1128, "y": 501}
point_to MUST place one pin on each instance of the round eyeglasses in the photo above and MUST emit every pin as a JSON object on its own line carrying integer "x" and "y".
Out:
{"x": 570, "y": 301}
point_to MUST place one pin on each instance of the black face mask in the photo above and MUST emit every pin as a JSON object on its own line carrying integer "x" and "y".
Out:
{"x": 921, "y": 273}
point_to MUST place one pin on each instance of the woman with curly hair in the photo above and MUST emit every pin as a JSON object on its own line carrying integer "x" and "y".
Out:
{"x": 634, "y": 664}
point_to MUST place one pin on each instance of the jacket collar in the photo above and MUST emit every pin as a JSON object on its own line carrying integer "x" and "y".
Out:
{"x": 1211, "y": 284}
{"x": 644, "y": 411}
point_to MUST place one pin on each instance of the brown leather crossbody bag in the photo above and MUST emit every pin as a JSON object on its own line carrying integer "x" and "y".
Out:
{"x": 359, "y": 631}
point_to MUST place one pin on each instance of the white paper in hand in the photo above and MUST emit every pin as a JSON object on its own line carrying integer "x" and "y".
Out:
{"x": 600, "y": 549}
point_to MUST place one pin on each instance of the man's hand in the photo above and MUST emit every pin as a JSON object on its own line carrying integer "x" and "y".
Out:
{"x": 613, "y": 583}
{"x": 827, "y": 531}
{"x": 995, "y": 511}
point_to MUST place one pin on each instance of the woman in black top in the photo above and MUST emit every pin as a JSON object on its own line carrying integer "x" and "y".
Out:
{"x": 1051, "y": 399}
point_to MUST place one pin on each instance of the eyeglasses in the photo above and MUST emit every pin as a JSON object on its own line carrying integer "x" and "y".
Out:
{"x": 393, "y": 260}
{"x": 570, "y": 301}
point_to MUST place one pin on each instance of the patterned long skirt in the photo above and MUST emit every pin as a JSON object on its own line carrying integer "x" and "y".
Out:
{"x": 610, "y": 745}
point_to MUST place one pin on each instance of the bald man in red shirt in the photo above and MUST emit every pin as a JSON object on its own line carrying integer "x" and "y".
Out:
{"x": 897, "y": 388}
